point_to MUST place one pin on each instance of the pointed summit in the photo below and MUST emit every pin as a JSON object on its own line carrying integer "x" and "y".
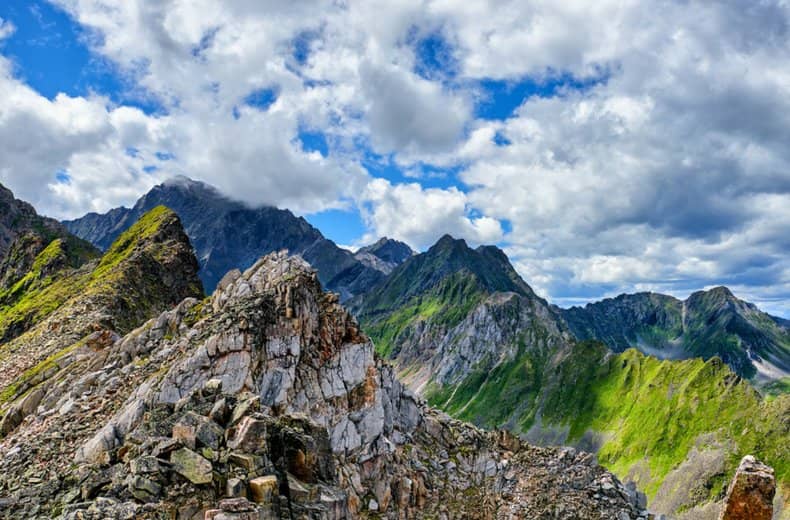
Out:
{"x": 229, "y": 235}
{"x": 385, "y": 255}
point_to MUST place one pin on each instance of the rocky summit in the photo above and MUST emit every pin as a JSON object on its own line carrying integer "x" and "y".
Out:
{"x": 266, "y": 401}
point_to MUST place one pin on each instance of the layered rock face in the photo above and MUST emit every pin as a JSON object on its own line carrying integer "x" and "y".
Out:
{"x": 751, "y": 492}
{"x": 266, "y": 401}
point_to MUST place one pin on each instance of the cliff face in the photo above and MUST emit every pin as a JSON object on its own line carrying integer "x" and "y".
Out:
{"x": 268, "y": 391}
{"x": 228, "y": 235}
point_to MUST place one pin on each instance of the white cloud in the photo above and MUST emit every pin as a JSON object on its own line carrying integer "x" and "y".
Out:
{"x": 6, "y": 29}
{"x": 421, "y": 216}
{"x": 671, "y": 173}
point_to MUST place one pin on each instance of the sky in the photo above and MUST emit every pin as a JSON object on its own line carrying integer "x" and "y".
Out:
{"x": 609, "y": 146}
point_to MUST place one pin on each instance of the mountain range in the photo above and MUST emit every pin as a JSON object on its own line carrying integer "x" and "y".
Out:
{"x": 133, "y": 396}
{"x": 228, "y": 235}
{"x": 708, "y": 323}
{"x": 150, "y": 396}
{"x": 465, "y": 331}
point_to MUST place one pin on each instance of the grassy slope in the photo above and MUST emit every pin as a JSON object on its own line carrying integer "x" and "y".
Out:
{"x": 649, "y": 410}
{"x": 35, "y": 296}
{"x": 443, "y": 305}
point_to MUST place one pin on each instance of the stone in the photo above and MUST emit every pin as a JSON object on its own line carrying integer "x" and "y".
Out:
{"x": 144, "y": 465}
{"x": 234, "y": 488}
{"x": 209, "y": 434}
{"x": 144, "y": 489}
{"x": 263, "y": 490}
{"x": 191, "y": 466}
{"x": 249, "y": 436}
{"x": 751, "y": 493}
{"x": 244, "y": 408}
{"x": 243, "y": 460}
{"x": 219, "y": 412}
{"x": 185, "y": 433}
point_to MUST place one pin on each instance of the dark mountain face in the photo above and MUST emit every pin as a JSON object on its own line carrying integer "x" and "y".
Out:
{"x": 708, "y": 323}
{"x": 385, "y": 255}
{"x": 228, "y": 235}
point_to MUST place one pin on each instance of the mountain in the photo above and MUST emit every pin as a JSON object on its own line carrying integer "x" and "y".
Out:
{"x": 74, "y": 313}
{"x": 452, "y": 308}
{"x": 708, "y": 323}
{"x": 228, "y": 235}
{"x": 385, "y": 255}
{"x": 266, "y": 401}
{"x": 466, "y": 332}
{"x": 24, "y": 234}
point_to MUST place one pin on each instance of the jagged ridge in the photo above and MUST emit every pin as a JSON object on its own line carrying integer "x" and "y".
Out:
{"x": 708, "y": 323}
{"x": 269, "y": 388}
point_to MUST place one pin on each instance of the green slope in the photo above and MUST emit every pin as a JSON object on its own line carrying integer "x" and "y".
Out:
{"x": 646, "y": 411}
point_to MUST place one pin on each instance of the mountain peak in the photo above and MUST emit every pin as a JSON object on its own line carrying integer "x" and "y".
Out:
{"x": 447, "y": 241}
{"x": 390, "y": 251}
{"x": 228, "y": 235}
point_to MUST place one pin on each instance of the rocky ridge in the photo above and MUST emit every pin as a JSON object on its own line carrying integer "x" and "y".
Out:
{"x": 706, "y": 324}
{"x": 133, "y": 281}
{"x": 267, "y": 401}
{"x": 24, "y": 235}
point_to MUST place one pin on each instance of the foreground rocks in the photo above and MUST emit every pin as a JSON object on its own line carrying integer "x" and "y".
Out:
{"x": 265, "y": 401}
{"x": 751, "y": 492}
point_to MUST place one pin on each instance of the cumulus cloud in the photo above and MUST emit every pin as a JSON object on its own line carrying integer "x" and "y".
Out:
{"x": 421, "y": 215}
{"x": 669, "y": 171}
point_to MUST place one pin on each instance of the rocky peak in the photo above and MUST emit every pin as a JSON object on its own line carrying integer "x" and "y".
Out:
{"x": 266, "y": 401}
{"x": 229, "y": 235}
{"x": 385, "y": 255}
{"x": 24, "y": 235}
{"x": 751, "y": 493}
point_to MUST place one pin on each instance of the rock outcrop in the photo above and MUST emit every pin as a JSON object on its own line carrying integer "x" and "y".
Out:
{"x": 266, "y": 401}
{"x": 751, "y": 492}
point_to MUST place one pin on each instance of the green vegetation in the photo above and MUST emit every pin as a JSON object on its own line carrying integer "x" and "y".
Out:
{"x": 125, "y": 244}
{"x": 53, "y": 278}
{"x": 649, "y": 411}
{"x": 489, "y": 398}
{"x": 37, "y": 294}
{"x": 444, "y": 305}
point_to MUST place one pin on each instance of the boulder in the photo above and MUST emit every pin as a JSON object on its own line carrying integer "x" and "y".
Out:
{"x": 751, "y": 492}
{"x": 263, "y": 490}
{"x": 191, "y": 466}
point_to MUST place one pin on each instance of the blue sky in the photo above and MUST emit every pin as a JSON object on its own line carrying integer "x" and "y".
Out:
{"x": 601, "y": 154}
